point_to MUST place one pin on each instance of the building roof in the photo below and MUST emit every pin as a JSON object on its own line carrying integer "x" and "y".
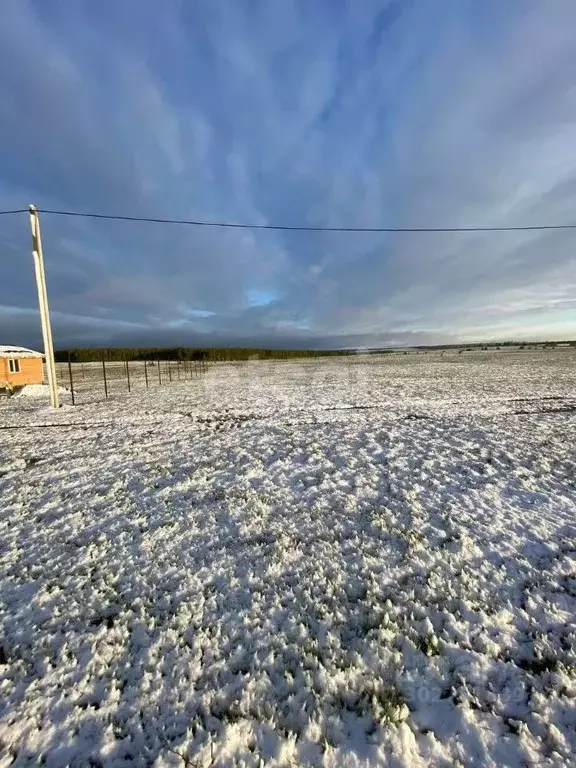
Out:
{"x": 10, "y": 351}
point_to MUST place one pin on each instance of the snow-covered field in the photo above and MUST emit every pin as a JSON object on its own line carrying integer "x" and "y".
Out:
{"x": 366, "y": 561}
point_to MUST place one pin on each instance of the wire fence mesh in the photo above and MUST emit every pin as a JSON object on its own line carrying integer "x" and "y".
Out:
{"x": 102, "y": 379}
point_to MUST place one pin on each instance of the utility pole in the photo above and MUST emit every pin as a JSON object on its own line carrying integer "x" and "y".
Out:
{"x": 43, "y": 304}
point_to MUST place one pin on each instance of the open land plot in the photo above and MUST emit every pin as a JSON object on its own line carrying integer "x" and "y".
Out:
{"x": 356, "y": 561}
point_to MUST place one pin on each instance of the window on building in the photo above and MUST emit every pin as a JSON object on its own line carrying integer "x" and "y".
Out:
{"x": 14, "y": 366}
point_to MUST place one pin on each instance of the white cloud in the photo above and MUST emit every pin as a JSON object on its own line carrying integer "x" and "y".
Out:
{"x": 297, "y": 113}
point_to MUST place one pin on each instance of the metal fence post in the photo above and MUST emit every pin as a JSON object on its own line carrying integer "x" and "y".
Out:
{"x": 169, "y": 371}
{"x": 127, "y": 374}
{"x": 71, "y": 380}
{"x": 146, "y": 372}
{"x": 159, "y": 372}
{"x": 105, "y": 380}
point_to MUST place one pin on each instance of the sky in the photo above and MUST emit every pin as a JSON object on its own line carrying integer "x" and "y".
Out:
{"x": 406, "y": 113}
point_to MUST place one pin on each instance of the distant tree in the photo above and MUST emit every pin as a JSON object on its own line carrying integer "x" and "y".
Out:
{"x": 188, "y": 353}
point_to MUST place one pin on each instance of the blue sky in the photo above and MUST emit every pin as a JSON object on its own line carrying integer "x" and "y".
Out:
{"x": 317, "y": 112}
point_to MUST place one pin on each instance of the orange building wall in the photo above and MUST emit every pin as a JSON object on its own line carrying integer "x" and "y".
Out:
{"x": 31, "y": 372}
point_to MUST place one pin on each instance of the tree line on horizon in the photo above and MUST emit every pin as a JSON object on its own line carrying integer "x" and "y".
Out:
{"x": 219, "y": 354}
{"x": 208, "y": 354}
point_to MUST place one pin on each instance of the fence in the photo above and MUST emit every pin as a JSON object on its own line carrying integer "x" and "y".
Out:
{"x": 101, "y": 379}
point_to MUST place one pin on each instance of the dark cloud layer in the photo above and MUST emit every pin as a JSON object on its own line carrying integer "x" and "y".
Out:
{"x": 361, "y": 114}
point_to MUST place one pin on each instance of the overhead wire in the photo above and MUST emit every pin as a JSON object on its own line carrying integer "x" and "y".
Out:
{"x": 293, "y": 227}
{"x": 305, "y": 227}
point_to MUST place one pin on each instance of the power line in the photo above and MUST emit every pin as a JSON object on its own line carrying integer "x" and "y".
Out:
{"x": 305, "y": 228}
{"x": 20, "y": 210}
{"x": 294, "y": 228}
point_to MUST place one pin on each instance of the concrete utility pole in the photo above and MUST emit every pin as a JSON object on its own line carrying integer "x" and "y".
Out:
{"x": 43, "y": 303}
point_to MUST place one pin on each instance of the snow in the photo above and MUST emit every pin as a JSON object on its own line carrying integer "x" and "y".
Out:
{"x": 37, "y": 390}
{"x": 356, "y": 562}
{"x": 10, "y": 351}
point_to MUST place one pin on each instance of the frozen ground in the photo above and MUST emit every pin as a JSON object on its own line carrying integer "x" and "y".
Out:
{"x": 359, "y": 562}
